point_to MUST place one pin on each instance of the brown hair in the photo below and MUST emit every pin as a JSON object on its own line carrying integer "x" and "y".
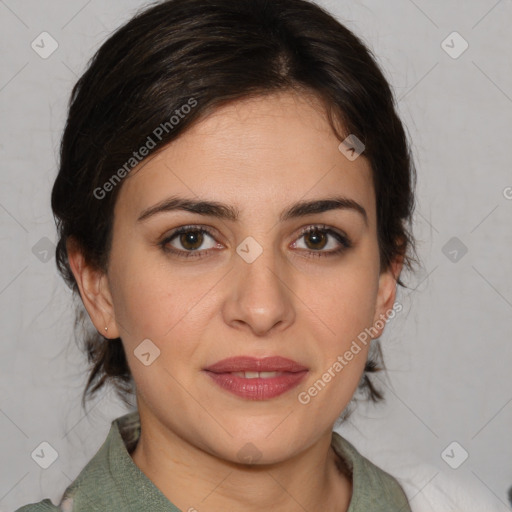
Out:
{"x": 212, "y": 52}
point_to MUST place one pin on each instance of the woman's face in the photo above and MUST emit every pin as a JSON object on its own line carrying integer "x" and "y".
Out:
{"x": 252, "y": 286}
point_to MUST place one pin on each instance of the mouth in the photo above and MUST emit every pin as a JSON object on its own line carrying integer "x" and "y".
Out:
{"x": 257, "y": 379}
{"x": 258, "y": 375}
{"x": 253, "y": 364}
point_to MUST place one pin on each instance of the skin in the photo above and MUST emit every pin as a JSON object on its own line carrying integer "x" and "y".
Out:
{"x": 260, "y": 155}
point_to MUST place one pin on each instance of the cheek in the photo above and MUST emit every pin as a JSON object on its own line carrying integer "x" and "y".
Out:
{"x": 346, "y": 305}
{"x": 347, "y": 319}
{"x": 346, "y": 300}
{"x": 153, "y": 305}
{"x": 158, "y": 301}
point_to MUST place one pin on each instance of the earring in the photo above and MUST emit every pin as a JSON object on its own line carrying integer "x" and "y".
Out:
{"x": 106, "y": 328}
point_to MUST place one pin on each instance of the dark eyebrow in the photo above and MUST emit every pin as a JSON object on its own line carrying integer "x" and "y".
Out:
{"x": 227, "y": 212}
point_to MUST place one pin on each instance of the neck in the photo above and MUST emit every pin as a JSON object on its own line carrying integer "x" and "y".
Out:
{"x": 195, "y": 480}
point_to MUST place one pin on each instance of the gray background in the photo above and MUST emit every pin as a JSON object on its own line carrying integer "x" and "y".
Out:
{"x": 448, "y": 353}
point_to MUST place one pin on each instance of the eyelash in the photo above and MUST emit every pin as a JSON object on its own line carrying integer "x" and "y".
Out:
{"x": 342, "y": 239}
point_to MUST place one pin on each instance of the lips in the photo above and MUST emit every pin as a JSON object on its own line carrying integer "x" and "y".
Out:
{"x": 253, "y": 364}
{"x": 257, "y": 379}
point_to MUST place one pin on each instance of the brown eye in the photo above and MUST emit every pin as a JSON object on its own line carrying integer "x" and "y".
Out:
{"x": 188, "y": 241}
{"x": 191, "y": 240}
{"x": 318, "y": 239}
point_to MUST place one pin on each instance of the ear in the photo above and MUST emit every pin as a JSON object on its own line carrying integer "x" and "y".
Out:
{"x": 94, "y": 291}
{"x": 386, "y": 294}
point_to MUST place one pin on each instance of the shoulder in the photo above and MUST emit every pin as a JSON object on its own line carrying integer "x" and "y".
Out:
{"x": 43, "y": 506}
{"x": 97, "y": 487}
{"x": 101, "y": 483}
{"x": 374, "y": 490}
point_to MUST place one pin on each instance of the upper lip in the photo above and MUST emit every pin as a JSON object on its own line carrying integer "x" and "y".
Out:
{"x": 254, "y": 364}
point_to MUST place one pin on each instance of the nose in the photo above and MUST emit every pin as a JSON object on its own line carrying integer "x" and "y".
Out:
{"x": 260, "y": 297}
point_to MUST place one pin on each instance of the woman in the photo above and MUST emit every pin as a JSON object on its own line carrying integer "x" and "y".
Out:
{"x": 233, "y": 202}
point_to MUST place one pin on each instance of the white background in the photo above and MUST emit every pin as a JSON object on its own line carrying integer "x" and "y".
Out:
{"x": 449, "y": 353}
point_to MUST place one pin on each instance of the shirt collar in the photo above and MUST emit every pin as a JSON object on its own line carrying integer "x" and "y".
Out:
{"x": 124, "y": 433}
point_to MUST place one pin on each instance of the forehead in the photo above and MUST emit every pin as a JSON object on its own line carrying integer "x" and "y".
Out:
{"x": 259, "y": 152}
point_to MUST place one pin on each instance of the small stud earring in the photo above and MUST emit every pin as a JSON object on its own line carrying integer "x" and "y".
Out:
{"x": 106, "y": 328}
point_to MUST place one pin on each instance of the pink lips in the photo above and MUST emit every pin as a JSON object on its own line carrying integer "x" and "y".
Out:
{"x": 288, "y": 374}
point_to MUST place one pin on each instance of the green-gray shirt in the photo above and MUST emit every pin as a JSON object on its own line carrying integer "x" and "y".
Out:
{"x": 112, "y": 482}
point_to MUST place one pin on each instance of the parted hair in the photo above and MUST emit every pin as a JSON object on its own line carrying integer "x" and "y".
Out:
{"x": 209, "y": 53}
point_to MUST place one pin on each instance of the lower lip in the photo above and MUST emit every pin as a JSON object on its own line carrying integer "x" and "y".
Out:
{"x": 257, "y": 389}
